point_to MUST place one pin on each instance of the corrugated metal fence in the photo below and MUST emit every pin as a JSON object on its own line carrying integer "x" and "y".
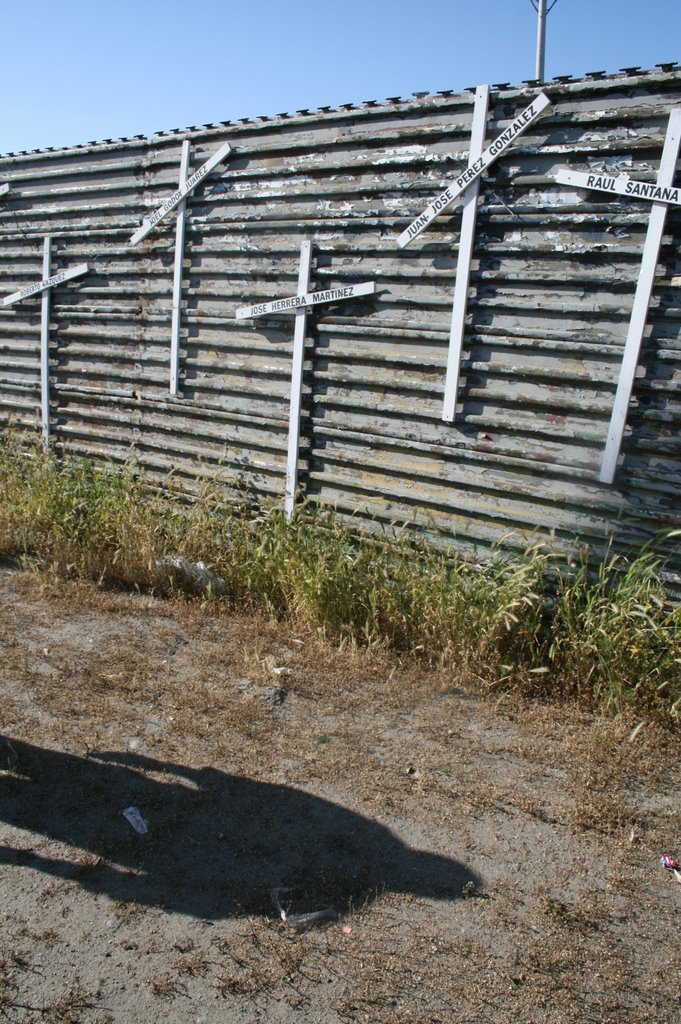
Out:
{"x": 554, "y": 273}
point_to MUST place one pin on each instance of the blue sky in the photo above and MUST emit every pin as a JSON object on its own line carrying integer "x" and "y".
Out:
{"x": 75, "y": 71}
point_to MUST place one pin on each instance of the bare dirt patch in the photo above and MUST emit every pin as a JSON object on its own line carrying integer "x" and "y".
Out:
{"x": 479, "y": 862}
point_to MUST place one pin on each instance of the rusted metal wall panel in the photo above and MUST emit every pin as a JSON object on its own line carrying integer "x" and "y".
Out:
{"x": 551, "y": 291}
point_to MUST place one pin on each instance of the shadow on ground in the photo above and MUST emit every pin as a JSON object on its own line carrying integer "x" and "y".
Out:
{"x": 217, "y": 843}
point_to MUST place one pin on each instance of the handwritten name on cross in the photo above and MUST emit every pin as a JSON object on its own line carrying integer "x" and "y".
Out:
{"x": 299, "y": 305}
{"x": 496, "y": 149}
{"x": 660, "y": 194}
{"x": 45, "y": 286}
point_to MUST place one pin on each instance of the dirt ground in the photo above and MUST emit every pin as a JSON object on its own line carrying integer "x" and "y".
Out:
{"x": 477, "y": 861}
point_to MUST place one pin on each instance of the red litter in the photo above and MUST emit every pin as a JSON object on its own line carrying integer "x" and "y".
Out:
{"x": 671, "y": 865}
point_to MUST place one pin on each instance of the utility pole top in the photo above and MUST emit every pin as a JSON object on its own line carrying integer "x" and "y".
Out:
{"x": 542, "y": 7}
{"x": 541, "y": 40}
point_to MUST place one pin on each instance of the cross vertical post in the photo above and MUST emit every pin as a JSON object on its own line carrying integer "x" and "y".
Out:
{"x": 639, "y": 313}
{"x": 463, "y": 264}
{"x": 298, "y": 360}
{"x": 45, "y": 344}
{"x": 177, "y": 274}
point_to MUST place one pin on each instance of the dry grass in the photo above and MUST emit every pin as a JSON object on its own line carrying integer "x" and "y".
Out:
{"x": 67, "y": 1008}
{"x": 167, "y": 986}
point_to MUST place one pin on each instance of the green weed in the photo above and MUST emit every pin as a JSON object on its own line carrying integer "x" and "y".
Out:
{"x": 605, "y": 635}
{"x": 615, "y": 639}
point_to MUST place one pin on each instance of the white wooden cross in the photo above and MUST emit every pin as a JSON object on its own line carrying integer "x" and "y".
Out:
{"x": 45, "y": 287}
{"x": 299, "y": 305}
{"x": 660, "y": 193}
{"x": 178, "y": 199}
{"x": 475, "y": 168}
{"x": 468, "y": 185}
{"x": 465, "y": 257}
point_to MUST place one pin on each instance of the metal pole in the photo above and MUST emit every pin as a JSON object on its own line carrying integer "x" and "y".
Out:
{"x": 541, "y": 39}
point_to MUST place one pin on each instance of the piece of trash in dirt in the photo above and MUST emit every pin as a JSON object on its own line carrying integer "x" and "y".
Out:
{"x": 192, "y": 576}
{"x": 635, "y": 731}
{"x": 10, "y": 760}
{"x": 347, "y": 930}
{"x": 300, "y": 921}
{"x": 671, "y": 864}
{"x": 133, "y": 817}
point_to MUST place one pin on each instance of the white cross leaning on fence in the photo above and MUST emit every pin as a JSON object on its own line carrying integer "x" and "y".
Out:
{"x": 661, "y": 193}
{"x": 464, "y": 259}
{"x": 299, "y": 305}
{"x": 149, "y": 223}
{"x": 496, "y": 149}
{"x": 45, "y": 286}
{"x": 186, "y": 185}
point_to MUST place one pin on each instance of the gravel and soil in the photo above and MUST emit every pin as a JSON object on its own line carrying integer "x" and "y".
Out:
{"x": 478, "y": 860}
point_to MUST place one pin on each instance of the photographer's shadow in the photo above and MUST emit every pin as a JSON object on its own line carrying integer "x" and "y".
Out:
{"x": 217, "y": 843}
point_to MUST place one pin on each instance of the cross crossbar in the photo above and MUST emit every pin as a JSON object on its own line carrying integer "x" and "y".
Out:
{"x": 48, "y": 282}
{"x": 622, "y": 185}
{"x": 294, "y": 302}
